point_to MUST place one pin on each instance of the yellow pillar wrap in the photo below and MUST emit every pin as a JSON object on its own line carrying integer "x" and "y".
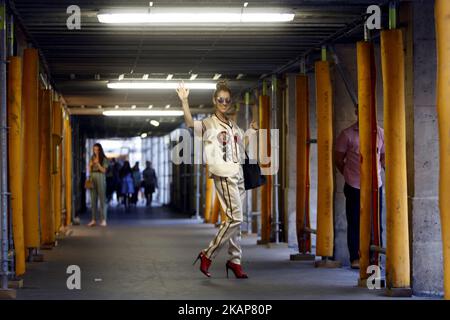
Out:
{"x": 397, "y": 250}
{"x": 15, "y": 159}
{"x": 366, "y": 101}
{"x": 215, "y": 210}
{"x": 209, "y": 193}
{"x": 45, "y": 176}
{"x": 266, "y": 189}
{"x": 31, "y": 148}
{"x": 302, "y": 99}
{"x": 442, "y": 18}
{"x": 68, "y": 168}
{"x": 57, "y": 132}
{"x": 324, "y": 95}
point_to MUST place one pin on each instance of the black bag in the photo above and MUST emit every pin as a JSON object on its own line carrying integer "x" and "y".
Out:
{"x": 252, "y": 174}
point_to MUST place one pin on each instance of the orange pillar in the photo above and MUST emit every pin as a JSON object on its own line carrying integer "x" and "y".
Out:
{"x": 45, "y": 176}
{"x": 302, "y": 112}
{"x": 209, "y": 193}
{"x": 31, "y": 148}
{"x": 68, "y": 172}
{"x": 325, "y": 187}
{"x": 442, "y": 14}
{"x": 367, "y": 115}
{"x": 266, "y": 189}
{"x": 397, "y": 234}
{"x": 215, "y": 210}
{"x": 57, "y": 139}
{"x": 16, "y": 159}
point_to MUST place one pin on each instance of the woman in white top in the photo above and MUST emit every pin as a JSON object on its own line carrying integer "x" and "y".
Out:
{"x": 222, "y": 141}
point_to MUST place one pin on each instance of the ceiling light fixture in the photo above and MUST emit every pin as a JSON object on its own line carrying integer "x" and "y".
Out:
{"x": 143, "y": 113}
{"x": 217, "y": 76}
{"x": 169, "y": 77}
{"x": 133, "y": 106}
{"x": 154, "y": 123}
{"x": 150, "y": 106}
{"x": 193, "y": 76}
{"x": 116, "y": 106}
{"x": 160, "y": 85}
{"x": 166, "y": 15}
{"x": 144, "y": 135}
{"x": 167, "y": 106}
{"x": 121, "y": 77}
{"x": 145, "y": 76}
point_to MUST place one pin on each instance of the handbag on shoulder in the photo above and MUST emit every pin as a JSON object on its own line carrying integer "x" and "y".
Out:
{"x": 252, "y": 174}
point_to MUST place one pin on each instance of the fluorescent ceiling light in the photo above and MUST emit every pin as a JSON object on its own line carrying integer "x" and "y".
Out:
{"x": 145, "y": 76}
{"x": 217, "y": 76}
{"x": 140, "y": 113}
{"x": 160, "y": 85}
{"x": 144, "y": 135}
{"x": 239, "y": 76}
{"x": 154, "y": 123}
{"x": 121, "y": 77}
{"x": 169, "y": 77}
{"x": 167, "y": 106}
{"x": 193, "y": 77}
{"x": 133, "y": 106}
{"x": 150, "y": 106}
{"x": 195, "y": 15}
{"x": 116, "y": 106}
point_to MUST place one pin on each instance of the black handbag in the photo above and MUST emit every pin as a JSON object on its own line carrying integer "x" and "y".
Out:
{"x": 252, "y": 174}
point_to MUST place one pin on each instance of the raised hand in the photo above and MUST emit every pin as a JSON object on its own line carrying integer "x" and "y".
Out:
{"x": 183, "y": 92}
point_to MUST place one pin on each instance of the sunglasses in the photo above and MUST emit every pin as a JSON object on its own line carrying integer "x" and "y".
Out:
{"x": 223, "y": 100}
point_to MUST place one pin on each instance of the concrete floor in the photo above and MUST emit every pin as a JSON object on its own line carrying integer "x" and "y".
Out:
{"x": 145, "y": 255}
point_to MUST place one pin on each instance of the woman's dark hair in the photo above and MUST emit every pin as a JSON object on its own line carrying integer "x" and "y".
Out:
{"x": 222, "y": 85}
{"x": 101, "y": 153}
{"x": 125, "y": 170}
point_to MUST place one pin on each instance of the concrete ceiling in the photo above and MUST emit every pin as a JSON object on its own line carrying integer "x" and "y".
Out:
{"x": 81, "y": 62}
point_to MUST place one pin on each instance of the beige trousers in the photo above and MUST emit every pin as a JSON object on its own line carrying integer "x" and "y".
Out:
{"x": 231, "y": 193}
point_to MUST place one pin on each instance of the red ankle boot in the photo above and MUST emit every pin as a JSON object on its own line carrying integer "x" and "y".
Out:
{"x": 204, "y": 263}
{"x": 237, "y": 270}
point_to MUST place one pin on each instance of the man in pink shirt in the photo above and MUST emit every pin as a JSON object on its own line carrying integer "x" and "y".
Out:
{"x": 347, "y": 159}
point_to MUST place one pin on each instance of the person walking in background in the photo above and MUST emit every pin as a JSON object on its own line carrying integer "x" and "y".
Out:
{"x": 110, "y": 183}
{"x": 127, "y": 185}
{"x": 347, "y": 159}
{"x": 150, "y": 183}
{"x": 136, "y": 182}
{"x": 98, "y": 165}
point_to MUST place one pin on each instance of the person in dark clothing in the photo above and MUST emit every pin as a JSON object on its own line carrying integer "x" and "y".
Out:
{"x": 150, "y": 182}
{"x": 110, "y": 181}
{"x": 136, "y": 182}
{"x": 126, "y": 176}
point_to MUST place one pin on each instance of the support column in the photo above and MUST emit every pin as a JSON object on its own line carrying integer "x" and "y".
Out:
{"x": 45, "y": 175}
{"x": 325, "y": 185}
{"x": 442, "y": 17}
{"x": 68, "y": 173}
{"x": 215, "y": 210}
{"x": 366, "y": 111}
{"x": 31, "y": 148}
{"x": 303, "y": 175}
{"x": 264, "y": 149}
{"x": 208, "y": 196}
{"x": 16, "y": 159}
{"x": 57, "y": 161}
{"x": 397, "y": 250}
